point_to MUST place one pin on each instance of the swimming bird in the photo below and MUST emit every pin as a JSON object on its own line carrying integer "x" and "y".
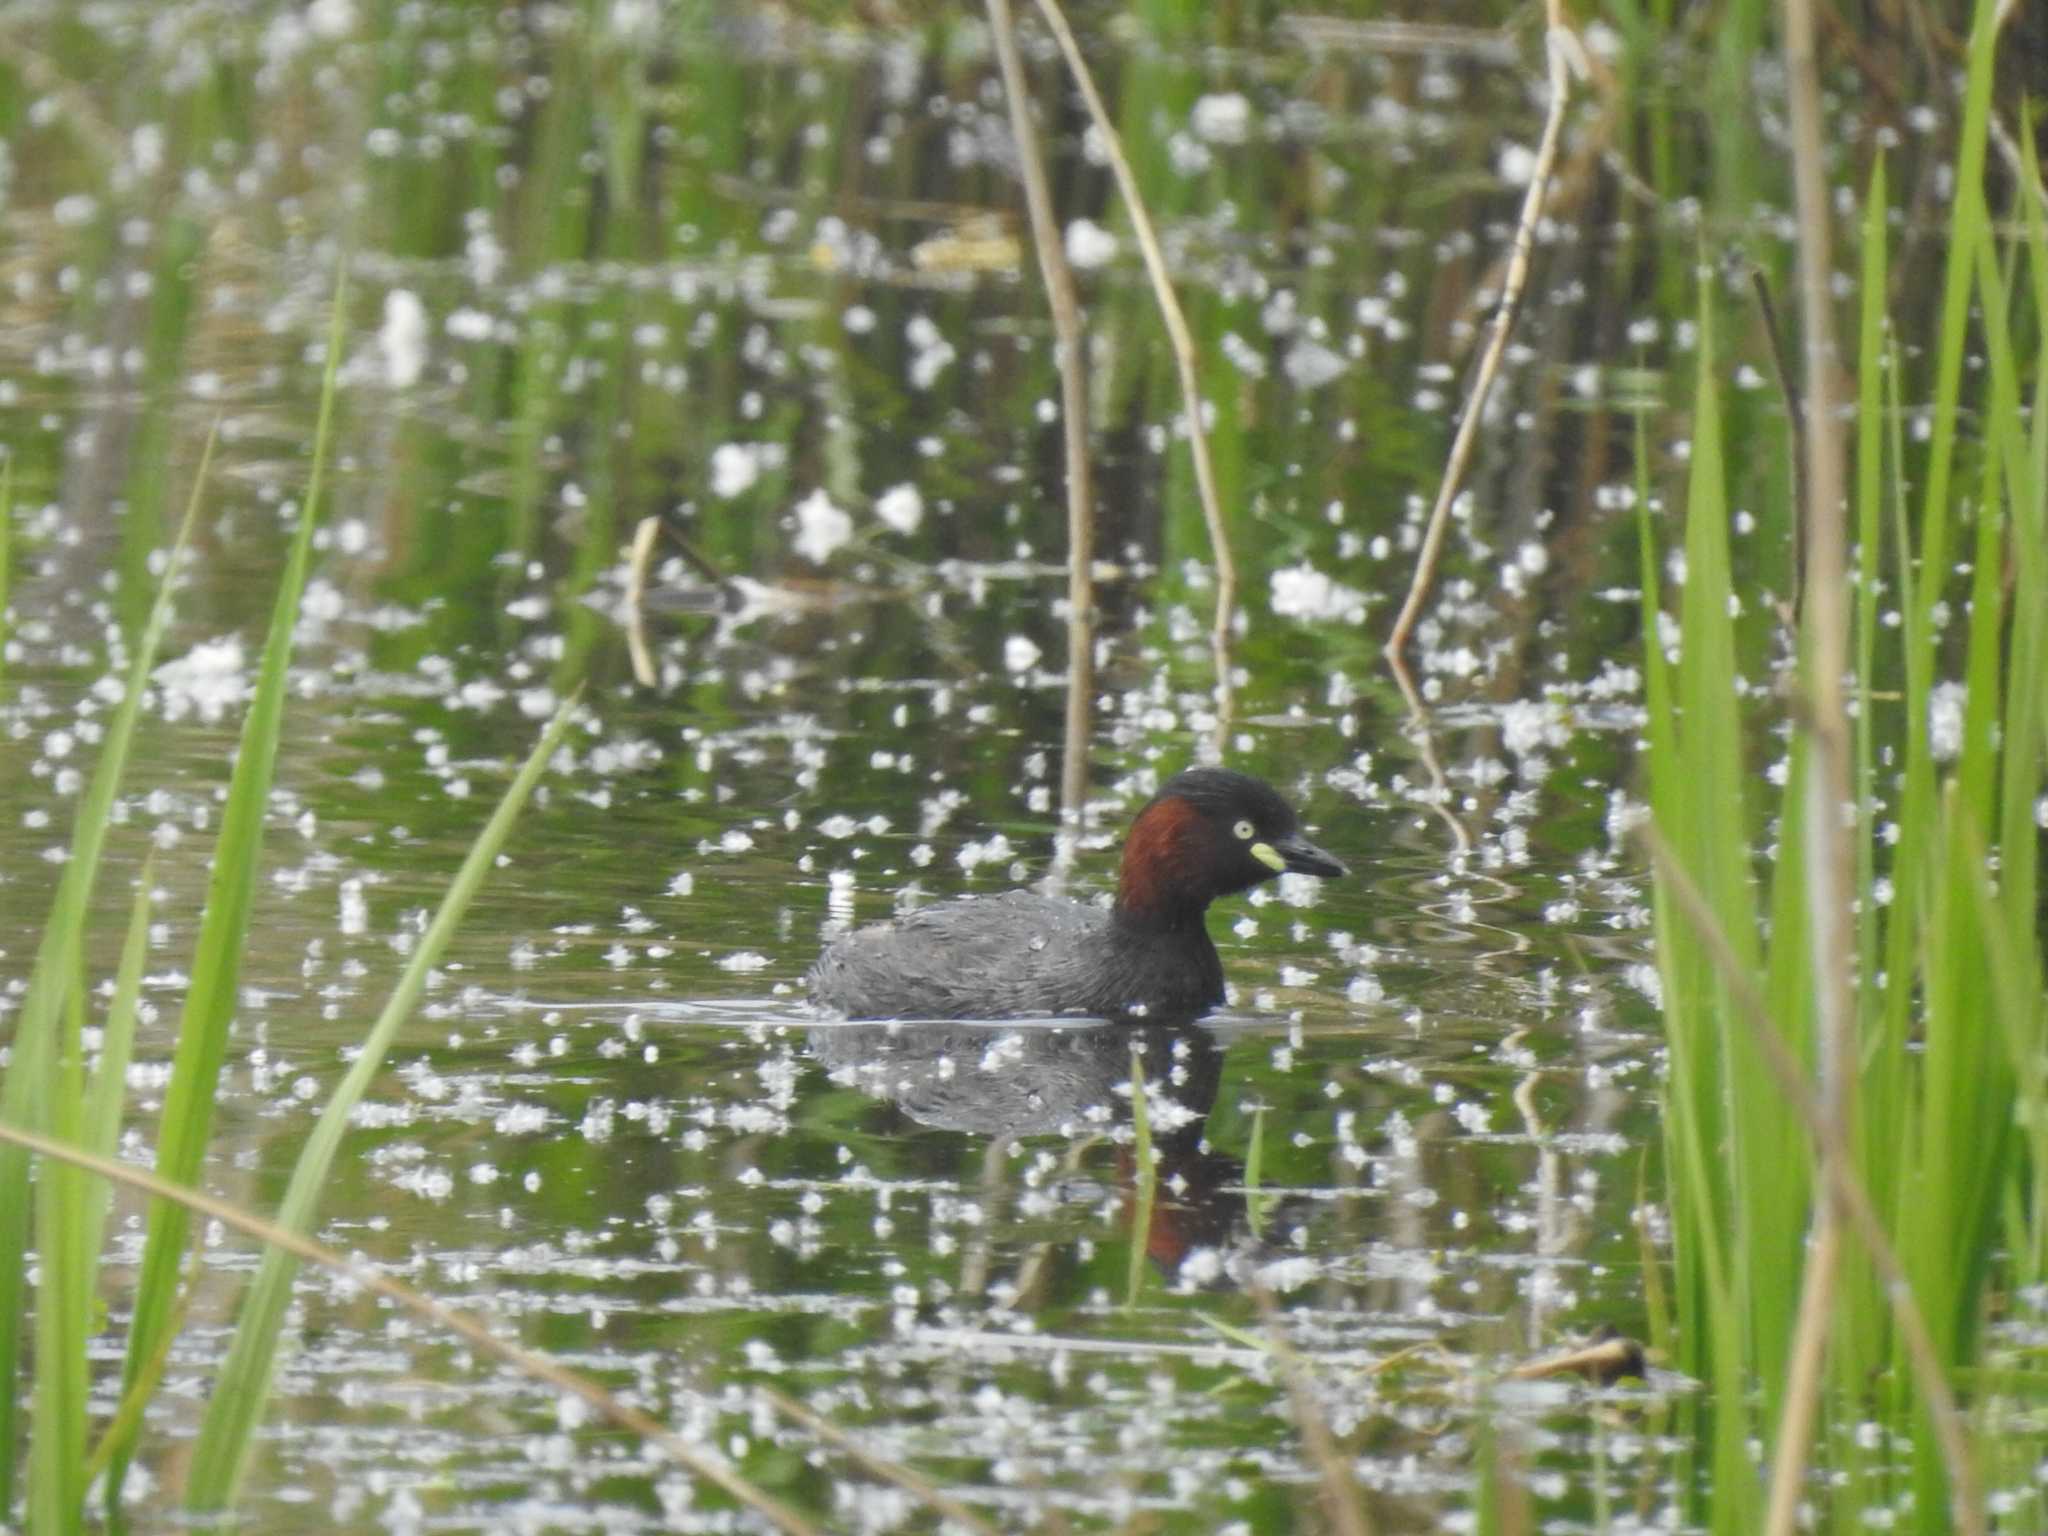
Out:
{"x": 1148, "y": 958}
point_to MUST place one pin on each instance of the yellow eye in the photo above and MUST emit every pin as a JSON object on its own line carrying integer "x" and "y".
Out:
{"x": 1244, "y": 830}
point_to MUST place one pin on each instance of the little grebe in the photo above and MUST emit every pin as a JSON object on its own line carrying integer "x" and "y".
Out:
{"x": 1207, "y": 833}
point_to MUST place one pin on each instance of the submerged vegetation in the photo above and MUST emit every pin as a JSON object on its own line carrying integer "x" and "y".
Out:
{"x": 761, "y": 278}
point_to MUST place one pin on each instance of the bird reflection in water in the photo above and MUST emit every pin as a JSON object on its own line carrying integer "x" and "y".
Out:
{"x": 1011, "y": 1079}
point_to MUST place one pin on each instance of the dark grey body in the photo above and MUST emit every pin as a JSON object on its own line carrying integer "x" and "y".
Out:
{"x": 1021, "y": 955}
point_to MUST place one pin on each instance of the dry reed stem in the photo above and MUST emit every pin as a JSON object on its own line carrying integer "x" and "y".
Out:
{"x": 1073, "y": 364}
{"x": 1489, "y": 45}
{"x": 636, "y": 589}
{"x": 1170, "y": 312}
{"x": 1334, "y": 1480}
{"x": 1828, "y": 855}
{"x": 1562, "y": 49}
{"x": 1423, "y": 735}
{"x": 913, "y": 1483}
{"x": 539, "y": 1367}
{"x": 1845, "y": 1190}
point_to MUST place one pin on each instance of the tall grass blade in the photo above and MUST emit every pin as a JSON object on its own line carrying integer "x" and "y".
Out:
{"x": 1727, "y": 1209}
{"x": 2029, "y": 497}
{"x": 1966, "y": 1100}
{"x": 1965, "y": 221}
{"x": 6, "y": 550}
{"x": 63, "y": 1307}
{"x": 479, "y": 1336}
{"x": 25, "y": 1093}
{"x": 108, "y": 1094}
{"x": 1915, "y": 857}
{"x": 1144, "y": 1182}
{"x": 243, "y": 1384}
{"x": 70, "y": 1221}
{"x": 1255, "y": 1174}
{"x": 1873, "y": 1140}
{"x": 210, "y": 999}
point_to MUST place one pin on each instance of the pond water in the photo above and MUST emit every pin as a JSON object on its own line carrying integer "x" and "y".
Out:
{"x": 762, "y": 277}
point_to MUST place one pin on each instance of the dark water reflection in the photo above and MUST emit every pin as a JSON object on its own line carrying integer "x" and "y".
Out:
{"x": 1038, "y": 1079}
{"x": 607, "y": 266}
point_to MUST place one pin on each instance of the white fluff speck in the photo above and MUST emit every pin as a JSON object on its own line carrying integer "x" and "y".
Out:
{"x": 822, "y": 528}
{"x": 1945, "y": 703}
{"x": 635, "y": 21}
{"x": 734, "y": 468}
{"x": 402, "y": 343}
{"x": 1290, "y": 1274}
{"x": 994, "y": 851}
{"x": 1089, "y": 245}
{"x": 331, "y": 18}
{"x": 1303, "y": 592}
{"x": 203, "y": 682}
{"x": 1310, "y": 364}
{"x": 932, "y": 356}
{"x": 1531, "y": 725}
{"x": 1020, "y": 654}
{"x": 1222, "y": 118}
{"x": 901, "y": 507}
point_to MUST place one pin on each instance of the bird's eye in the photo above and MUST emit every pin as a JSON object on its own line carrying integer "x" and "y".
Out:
{"x": 1244, "y": 830}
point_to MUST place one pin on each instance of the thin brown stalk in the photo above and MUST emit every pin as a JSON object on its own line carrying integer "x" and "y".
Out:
{"x": 1828, "y": 855}
{"x": 1334, "y": 1480}
{"x": 1805, "y": 1372}
{"x": 1423, "y": 736}
{"x": 1176, "y": 326}
{"x": 1330, "y": 34}
{"x": 636, "y": 588}
{"x": 919, "y": 1487}
{"x": 1844, "y": 1189}
{"x": 1073, "y": 364}
{"x": 469, "y": 1328}
{"x": 1561, "y": 47}
{"x": 2015, "y": 161}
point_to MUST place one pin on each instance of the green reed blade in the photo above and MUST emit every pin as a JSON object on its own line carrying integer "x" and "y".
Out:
{"x": 1913, "y": 861}
{"x": 108, "y": 1095}
{"x": 1968, "y": 1133}
{"x": 1144, "y": 1182}
{"x": 1967, "y": 1095}
{"x": 1864, "y": 1316}
{"x": 1869, "y": 495}
{"x": 6, "y": 550}
{"x": 1254, "y": 1175}
{"x": 1696, "y": 1260}
{"x": 187, "y": 1122}
{"x": 71, "y": 1221}
{"x": 56, "y": 1488}
{"x": 1967, "y": 218}
{"x": 1885, "y": 1085}
{"x": 27, "y": 1089}
{"x": 242, "y": 1385}
{"x": 1718, "y": 1150}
